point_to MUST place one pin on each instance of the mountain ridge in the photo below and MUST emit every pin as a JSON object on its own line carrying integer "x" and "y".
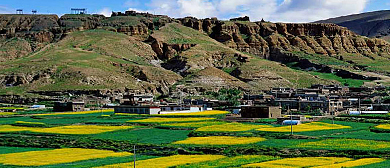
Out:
{"x": 371, "y": 24}
{"x": 140, "y": 52}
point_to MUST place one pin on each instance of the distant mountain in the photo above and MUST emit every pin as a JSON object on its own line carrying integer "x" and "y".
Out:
{"x": 370, "y": 24}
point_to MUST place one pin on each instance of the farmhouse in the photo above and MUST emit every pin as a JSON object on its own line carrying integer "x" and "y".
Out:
{"x": 137, "y": 109}
{"x": 68, "y": 106}
{"x": 261, "y": 111}
{"x": 151, "y": 109}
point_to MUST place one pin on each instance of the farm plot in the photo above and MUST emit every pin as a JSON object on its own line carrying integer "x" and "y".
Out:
{"x": 170, "y": 161}
{"x": 354, "y": 126}
{"x": 7, "y": 113}
{"x": 70, "y": 129}
{"x": 231, "y": 127}
{"x": 145, "y": 135}
{"x": 169, "y": 120}
{"x": 4, "y": 150}
{"x": 231, "y": 161}
{"x": 343, "y": 144}
{"x": 56, "y": 156}
{"x": 317, "y": 162}
{"x": 313, "y": 126}
{"x": 384, "y": 127}
{"x": 192, "y": 124}
{"x": 220, "y": 140}
{"x": 363, "y": 134}
{"x": 73, "y": 113}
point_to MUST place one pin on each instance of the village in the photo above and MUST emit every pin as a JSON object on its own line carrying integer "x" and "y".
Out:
{"x": 285, "y": 105}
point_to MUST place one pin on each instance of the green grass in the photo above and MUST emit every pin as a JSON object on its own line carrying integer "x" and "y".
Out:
{"x": 293, "y": 78}
{"x": 82, "y": 54}
{"x": 119, "y": 21}
{"x": 344, "y": 81}
{"x": 363, "y": 134}
{"x": 5, "y": 150}
{"x": 145, "y": 135}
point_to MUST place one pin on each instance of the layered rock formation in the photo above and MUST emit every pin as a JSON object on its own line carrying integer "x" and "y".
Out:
{"x": 263, "y": 38}
{"x": 41, "y": 28}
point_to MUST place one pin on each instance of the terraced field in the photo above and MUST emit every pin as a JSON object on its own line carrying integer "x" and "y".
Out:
{"x": 103, "y": 139}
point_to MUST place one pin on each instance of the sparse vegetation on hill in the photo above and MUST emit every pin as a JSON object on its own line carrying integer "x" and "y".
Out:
{"x": 148, "y": 53}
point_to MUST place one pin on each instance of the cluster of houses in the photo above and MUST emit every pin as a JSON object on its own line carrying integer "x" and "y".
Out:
{"x": 321, "y": 100}
{"x": 326, "y": 100}
{"x": 144, "y": 104}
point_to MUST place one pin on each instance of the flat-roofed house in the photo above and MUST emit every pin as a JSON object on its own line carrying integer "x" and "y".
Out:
{"x": 261, "y": 111}
{"x": 137, "y": 109}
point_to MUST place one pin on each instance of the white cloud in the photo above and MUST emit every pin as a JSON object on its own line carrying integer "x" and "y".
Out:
{"x": 256, "y": 9}
{"x": 197, "y": 8}
{"x": 312, "y": 10}
{"x": 106, "y": 12}
{"x": 287, "y": 11}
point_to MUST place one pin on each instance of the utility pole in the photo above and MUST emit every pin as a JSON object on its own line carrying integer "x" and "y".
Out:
{"x": 360, "y": 110}
{"x": 135, "y": 158}
{"x": 291, "y": 121}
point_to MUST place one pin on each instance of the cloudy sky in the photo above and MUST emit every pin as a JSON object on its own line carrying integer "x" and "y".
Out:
{"x": 271, "y": 10}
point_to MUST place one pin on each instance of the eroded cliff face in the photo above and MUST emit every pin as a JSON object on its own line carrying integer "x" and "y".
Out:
{"x": 46, "y": 28}
{"x": 40, "y": 28}
{"x": 263, "y": 38}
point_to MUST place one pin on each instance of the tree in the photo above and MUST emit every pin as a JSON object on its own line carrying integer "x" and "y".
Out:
{"x": 230, "y": 95}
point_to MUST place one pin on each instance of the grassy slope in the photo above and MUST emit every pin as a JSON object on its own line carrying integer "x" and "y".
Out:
{"x": 207, "y": 49}
{"x": 87, "y": 55}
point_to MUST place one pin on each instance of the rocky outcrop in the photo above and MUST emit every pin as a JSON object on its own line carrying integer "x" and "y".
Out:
{"x": 245, "y": 19}
{"x": 23, "y": 79}
{"x": 261, "y": 38}
{"x": 167, "y": 51}
{"x": 80, "y": 22}
{"x": 41, "y": 28}
{"x": 205, "y": 25}
{"x": 134, "y": 30}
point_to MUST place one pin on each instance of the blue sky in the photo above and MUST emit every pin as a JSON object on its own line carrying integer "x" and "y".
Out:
{"x": 272, "y": 10}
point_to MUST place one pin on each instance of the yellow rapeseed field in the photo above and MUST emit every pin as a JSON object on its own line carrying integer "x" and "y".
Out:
{"x": 299, "y": 162}
{"x": 10, "y": 128}
{"x": 231, "y": 127}
{"x": 346, "y": 144}
{"x": 203, "y": 113}
{"x": 169, "y": 120}
{"x": 313, "y": 126}
{"x": 128, "y": 114}
{"x": 82, "y": 129}
{"x": 193, "y": 124}
{"x": 80, "y": 112}
{"x": 70, "y": 129}
{"x": 383, "y": 126}
{"x": 32, "y": 123}
{"x": 7, "y": 113}
{"x": 165, "y": 162}
{"x": 354, "y": 163}
{"x": 56, "y": 156}
{"x": 220, "y": 140}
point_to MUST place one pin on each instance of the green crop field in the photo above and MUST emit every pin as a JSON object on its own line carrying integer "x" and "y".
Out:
{"x": 193, "y": 136}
